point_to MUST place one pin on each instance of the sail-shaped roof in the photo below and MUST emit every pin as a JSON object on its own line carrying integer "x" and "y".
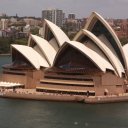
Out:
{"x": 46, "y": 49}
{"x": 85, "y": 35}
{"x": 100, "y": 28}
{"x": 54, "y": 34}
{"x": 92, "y": 55}
{"x": 31, "y": 55}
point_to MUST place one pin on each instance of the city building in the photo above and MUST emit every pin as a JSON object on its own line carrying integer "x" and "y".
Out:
{"x": 71, "y": 16}
{"x": 13, "y": 19}
{"x": 4, "y": 23}
{"x": 72, "y": 25}
{"x": 32, "y": 21}
{"x": 54, "y": 15}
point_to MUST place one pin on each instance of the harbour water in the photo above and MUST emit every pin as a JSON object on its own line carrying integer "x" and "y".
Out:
{"x": 4, "y": 59}
{"x": 42, "y": 114}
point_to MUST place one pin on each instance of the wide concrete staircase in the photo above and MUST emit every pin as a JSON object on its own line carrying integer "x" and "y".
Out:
{"x": 60, "y": 81}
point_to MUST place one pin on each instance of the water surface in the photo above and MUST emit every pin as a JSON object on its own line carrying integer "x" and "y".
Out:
{"x": 4, "y": 59}
{"x": 39, "y": 114}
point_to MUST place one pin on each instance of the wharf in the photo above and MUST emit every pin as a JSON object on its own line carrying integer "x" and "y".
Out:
{"x": 31, "y": 94}
{"x": 107, "y": 99}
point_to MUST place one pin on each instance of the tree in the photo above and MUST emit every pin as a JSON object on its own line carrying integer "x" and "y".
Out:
{"x": 124, "y": 40}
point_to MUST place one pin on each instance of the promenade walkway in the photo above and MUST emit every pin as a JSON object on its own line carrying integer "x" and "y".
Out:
{"x": 31, "y": 94}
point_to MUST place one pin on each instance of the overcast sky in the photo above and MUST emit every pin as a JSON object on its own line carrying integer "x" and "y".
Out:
{"x": 82, "y": 8}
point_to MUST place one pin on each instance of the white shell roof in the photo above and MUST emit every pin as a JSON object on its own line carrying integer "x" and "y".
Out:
{"x": 95, "y": 16}
{"x": 61, "y": 37}
{"x": 99, "y": 61}
{"x": 31, "y": 55}
{"x": 110, "y": 55}
{"x": 125, "y": 49}
{"x": 48, "y": 51}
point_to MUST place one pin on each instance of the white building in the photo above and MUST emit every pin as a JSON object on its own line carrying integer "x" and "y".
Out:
{"x": 4, "y": 24}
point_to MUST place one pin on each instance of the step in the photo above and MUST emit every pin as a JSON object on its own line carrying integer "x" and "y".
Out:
{"x": 66, "y": 77}
{"x": 68, "y": 82}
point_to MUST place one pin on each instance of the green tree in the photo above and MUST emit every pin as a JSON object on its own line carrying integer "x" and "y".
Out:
{"x": 34, "y": 31}
{"x": 124, "y": 40}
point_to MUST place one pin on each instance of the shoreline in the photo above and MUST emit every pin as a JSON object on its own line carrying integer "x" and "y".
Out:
{"x": 38, "y": 97}
{"x": 27, "y": 94}
{"x": 5, "y": 54}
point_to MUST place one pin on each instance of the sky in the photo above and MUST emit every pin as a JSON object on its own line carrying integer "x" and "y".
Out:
{"x": 82, "y": 8}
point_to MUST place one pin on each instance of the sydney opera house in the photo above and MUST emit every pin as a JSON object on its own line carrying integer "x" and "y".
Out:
{"x": 94, "y": 63}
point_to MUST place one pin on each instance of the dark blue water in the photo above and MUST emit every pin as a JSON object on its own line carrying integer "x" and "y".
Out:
{"x": 42, "y": 114}
{"x": 4, "y": 60}
{"x": 39, "y": 114}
